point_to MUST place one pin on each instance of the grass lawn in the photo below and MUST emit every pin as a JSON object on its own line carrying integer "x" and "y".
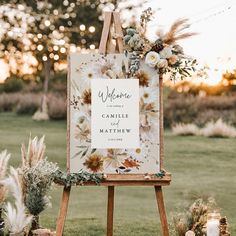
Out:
{"x": 200, "y": 167}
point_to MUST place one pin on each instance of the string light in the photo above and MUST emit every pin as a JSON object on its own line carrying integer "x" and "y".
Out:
{"x": 45, "y": 58}
{"x": 56, "y": 57}
{"x": 51, "y": 55}
{"x": 61, "y": 41}
{"x": 92, "y": 46}
{"x": 61, "y": 28}
{"x": 91, "y": 29}
{"x": 55, "y": 48}
{"x": 82, "y": 27}
{"x": 40, "y": 47}
{"x": 10, "y": 33}
{"x": 62, "y": 50}
{"x": 39, "y": 36}
{"x": 47, "y": 23}
{"x": 73, "y": 48}
{"x": 66, "y": 3}
{"x": 55, "y": 12}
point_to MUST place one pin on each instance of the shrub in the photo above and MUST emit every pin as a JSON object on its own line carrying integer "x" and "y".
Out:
{"x": 218, "y": 129}
{"x": 185, "y": 129}
{"x": 33, "y": 87}
{"x": 57, "y": 107}
{"x": 28, "y": 104}
{"x": 13, "y": 84}
{"x": 180, "y": 108}
{"x": 8, "y": 102}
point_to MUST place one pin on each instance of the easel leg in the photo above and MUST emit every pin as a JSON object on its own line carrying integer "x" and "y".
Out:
{"x": 63, "y": 211}
{"x": 110, "y": 210}
{"x": 162, "y": 212}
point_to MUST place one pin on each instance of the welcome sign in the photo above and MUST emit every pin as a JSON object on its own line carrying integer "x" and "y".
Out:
{"x": 115, "y": 113}
{"x": 113, "y": 120}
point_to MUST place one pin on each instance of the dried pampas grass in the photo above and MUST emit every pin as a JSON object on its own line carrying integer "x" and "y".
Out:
{"x": 185, "y": 129}
{"x": 16, "y": 217}
{"x": 4, "y": 158}
{"x": 176, "y": 32}
{"x": 218, "y": 129}
{"x": 34, "y": 153}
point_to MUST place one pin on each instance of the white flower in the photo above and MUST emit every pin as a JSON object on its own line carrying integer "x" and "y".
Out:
{"x": 166, "y": 53}
{"x": 163, "y": 63}
{"x": 82, "y": 132}
{"x": 113, "y": 159}
{"x": 173, "y": 59}
{"x": 107, "y": 68}
{"x": 139, "y": 154}
{"x": 149, "y": 127}
{"x": 149, "y": 94}
{"x": 83, "y": 114}
{"x": 152, "y": 58}
{"x": 151, "y": 73}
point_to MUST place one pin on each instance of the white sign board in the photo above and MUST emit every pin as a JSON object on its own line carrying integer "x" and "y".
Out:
{"x": 113, "y": 121}
{"x": 115, "y": 113}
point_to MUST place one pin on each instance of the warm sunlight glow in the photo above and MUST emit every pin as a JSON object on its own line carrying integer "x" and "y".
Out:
{"x": 215, "y": 77}
{"x": 4, "y": 71}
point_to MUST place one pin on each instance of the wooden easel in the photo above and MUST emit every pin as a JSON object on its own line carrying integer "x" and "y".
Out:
{"x": 109, "y": 43}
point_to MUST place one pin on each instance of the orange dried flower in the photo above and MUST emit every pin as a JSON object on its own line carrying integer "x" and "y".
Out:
{"x": 128, "y": 163}
{"x": 143, "y": 78}
{"x": 94, "y": 163}
{"x": 86, "y": 96}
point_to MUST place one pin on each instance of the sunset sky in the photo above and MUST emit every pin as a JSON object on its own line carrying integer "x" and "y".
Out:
{"x": 214, "y": 20}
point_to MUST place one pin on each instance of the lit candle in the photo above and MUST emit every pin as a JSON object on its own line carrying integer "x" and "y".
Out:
{"x": 213, "y": 225}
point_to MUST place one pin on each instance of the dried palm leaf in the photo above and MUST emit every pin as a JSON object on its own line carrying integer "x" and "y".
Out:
{"x": 175, "y": 32}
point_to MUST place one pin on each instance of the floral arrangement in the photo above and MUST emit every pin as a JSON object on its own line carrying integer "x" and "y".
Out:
{"x": 29, "y": 185}
{"x": 194, "y": 219}
{"x": 38, "y": 180}
{"x": 38, "y": 175}
{"x": 164, "y": 54}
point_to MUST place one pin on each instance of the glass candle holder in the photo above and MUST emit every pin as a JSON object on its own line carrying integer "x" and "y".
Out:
{"x": 213, "y": 224}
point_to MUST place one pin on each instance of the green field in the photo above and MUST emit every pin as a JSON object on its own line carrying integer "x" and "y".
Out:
{"x": 200, "y": 167}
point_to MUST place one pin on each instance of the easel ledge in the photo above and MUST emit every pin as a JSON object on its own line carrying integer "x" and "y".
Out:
{"x": 130, "y": 180}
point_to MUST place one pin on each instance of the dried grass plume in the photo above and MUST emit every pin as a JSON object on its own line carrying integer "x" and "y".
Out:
{"x": 175, "y": 32}
{"x": 218, "y": 129}
{"x": 34, "y": 153}
{"x": 16, "y": 216}
{"x": 185, "y": 129}
{"x": 4, "y": 158}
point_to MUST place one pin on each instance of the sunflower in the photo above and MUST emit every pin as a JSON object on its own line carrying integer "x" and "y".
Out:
{"x": 143, "y": 78}
{"x": 86, "y": 96}
{"x": 94, "y": 163}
